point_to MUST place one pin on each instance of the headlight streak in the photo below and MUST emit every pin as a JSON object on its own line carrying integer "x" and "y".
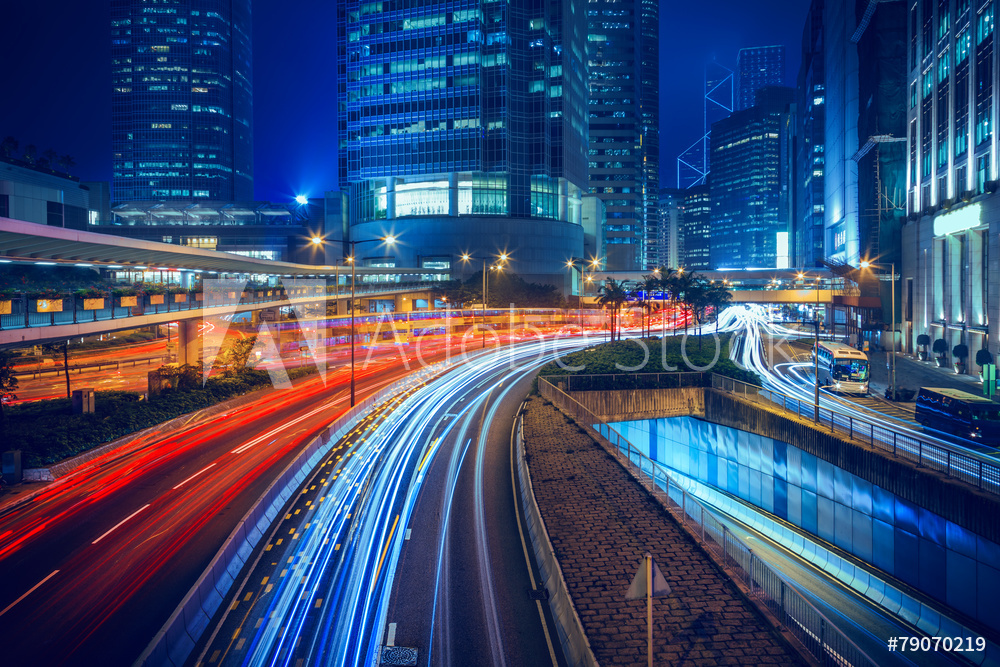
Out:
{"x": 347, "y": 628}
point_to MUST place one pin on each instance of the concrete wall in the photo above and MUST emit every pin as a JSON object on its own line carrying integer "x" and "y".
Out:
{"x": 643, "y": 403}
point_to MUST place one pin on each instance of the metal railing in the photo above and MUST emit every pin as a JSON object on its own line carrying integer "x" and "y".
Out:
{"x": 979, "y": 472}
{"x": 615, "y": 381}
{"x": 824, "y": 641}
{"x": 22, "y": 316}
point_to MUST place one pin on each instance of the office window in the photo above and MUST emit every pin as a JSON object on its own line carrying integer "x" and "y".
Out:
{"x": 984, "y": 25}
{"x": 4, "y": 206}
{"x": 54, "y": 213}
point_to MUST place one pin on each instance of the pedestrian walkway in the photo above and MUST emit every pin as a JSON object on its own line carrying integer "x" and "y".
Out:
{"x": 912, "y": 373}
{"x": 601, "y": 522}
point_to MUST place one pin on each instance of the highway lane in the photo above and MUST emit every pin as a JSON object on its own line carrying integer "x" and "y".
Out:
{"x": 362, "y": 547}
{"x": 91, "y": 568}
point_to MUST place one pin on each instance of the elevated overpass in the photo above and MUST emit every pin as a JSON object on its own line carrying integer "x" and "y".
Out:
{"x": 230, "y": 284}
{"x": 770, "y": 286}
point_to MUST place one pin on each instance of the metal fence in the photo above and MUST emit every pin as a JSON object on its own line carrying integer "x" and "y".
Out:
{"x": 979, "y": 472}
{"x": 615, "y": 381}
{"x": 825, "y": 642}
{"x": 22, "y": 315}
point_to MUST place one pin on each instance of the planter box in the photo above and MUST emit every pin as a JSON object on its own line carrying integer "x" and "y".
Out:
{"x": 5, "y": 307}
{"x": 180, "y": 298}
{"x": 48, "y": 305}
{"x": 129, "y": 301}
{"x": 155, "y": 299}
{"x": 942, "y": 362}
{"x": 93, "y": 304}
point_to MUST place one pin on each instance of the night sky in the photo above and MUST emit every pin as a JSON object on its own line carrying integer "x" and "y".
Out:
{"x": 55, "y": 80}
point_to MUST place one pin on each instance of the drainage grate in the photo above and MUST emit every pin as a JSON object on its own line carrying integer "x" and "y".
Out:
{"x": 398, "y": 656}
{"x": 540, "y": 594}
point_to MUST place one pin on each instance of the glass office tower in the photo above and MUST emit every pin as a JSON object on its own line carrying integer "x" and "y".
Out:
{"x": 462, "y": 128}
{"x": 623, "y": 58}
{"x": 756, "y": 67}
{"x": 182, "y": 95}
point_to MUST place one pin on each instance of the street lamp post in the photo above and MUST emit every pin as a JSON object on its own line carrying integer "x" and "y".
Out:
{"x": 388, "y": 240}
{"x": 502, "y": 257}
{"x": 892, "y": 309}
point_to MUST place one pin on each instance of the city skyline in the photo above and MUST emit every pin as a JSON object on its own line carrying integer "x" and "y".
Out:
{"x": 294, "y": 83}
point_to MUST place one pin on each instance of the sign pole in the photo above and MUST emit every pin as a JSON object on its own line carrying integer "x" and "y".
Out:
{"x": 649, "y": 607}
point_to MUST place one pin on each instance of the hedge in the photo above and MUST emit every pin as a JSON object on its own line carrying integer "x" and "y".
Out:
{"x": 46, "y": 432}
{"x": 602, "y": 359}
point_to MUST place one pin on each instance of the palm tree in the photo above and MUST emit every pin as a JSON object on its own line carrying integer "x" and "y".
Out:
{"x": 613, "y": 294}
{"x": 50, "y": 157}
{"x": 719, "y": 297}
{"x": 8, "y": 146}
{"x": 67, "y": 162}
{"x": 649, "y": 286}
{"x": 678, "y": 283}
{"x": 30, "y": 153}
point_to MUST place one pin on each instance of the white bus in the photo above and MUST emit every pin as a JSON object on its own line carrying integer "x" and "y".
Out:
{"x": 842, "y": 368}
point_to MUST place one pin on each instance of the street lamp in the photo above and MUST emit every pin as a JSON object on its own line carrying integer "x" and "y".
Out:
{"x": 892, "y": 298}
{"x": 388, "y": 240}
{"x": 502, "y": 258}
{"x": 301, "y": 200}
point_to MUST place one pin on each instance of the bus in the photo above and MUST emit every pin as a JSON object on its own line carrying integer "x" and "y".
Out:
{"x": 959, "y": 413}
{"x": 842, "y": 368}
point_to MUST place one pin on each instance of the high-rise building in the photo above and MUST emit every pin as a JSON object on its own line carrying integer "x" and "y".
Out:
{"x": 756, "y": 67}
{"x": 949, "y": 282}
{"x": 463, "y": 129}
{"x": 810, "y": 162}
{"x": 182, "y": 95}
{"x": 669, "y": 241}
{"x": 750, "y": 181}
{"x": 624, "y": 143}
{"x": 696, "y": 225}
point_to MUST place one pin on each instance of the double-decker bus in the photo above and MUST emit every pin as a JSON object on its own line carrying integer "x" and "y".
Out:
{"x": 842, "y": 368}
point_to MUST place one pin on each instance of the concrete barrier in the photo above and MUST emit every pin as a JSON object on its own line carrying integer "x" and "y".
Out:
{"x": 569, "y": 628}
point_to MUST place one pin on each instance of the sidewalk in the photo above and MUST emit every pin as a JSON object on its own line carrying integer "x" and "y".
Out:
{"x": 601, "y": 522}
{"x": 914, "y": 374}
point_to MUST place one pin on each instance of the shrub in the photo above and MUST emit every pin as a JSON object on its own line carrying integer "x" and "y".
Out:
{"x": 923, "y": 340}
{"x": 984, "y": 357}
{"x": 940, "y": 346}
{"x": 960, "y": 351}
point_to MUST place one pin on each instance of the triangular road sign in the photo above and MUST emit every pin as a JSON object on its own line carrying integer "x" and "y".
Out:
{"x": 637, "y": 590}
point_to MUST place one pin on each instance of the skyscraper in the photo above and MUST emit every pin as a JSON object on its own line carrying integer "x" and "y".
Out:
{"x": 756, "y": 67}
{"x": 696, "y": 225}
{"x": 624, "y": 141}
{"x": 182, "y": 96}
{"x": 750, "y": 179}
{"x": 462, "y": 129}
{"x": 810, "y": 163}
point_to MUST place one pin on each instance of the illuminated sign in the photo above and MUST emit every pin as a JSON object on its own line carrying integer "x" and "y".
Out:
{"x": 782, "y": 241}
{"x": 964, "y": 218}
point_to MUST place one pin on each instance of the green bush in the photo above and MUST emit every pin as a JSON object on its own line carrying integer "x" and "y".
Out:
{"x": 46, "y": 432}
{"x": 602, "y": 359}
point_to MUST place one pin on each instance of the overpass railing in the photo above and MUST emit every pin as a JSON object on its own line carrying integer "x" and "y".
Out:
{"x": 980, "y": 472}
{"x": 824, "y": 640}
{"x": 22, "y": 312}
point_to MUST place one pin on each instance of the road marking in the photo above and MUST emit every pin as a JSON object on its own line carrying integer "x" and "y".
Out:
{"x": 193, "y": 476}
{"x": 120, "y": 523}
{"x": 319, "y": 603}
{"x": 240, "y": 643}
{"x": 391, "y": 639}
{"x": 263, "y": 581}
{"x": 385, "y": 549}
{"x": 30, "y": 591}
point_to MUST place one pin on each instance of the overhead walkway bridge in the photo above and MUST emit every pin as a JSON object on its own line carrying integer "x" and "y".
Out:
{"x": 228, "y": 284}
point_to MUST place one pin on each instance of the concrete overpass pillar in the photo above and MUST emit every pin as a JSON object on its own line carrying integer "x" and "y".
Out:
{"x": 189, "y": 342}
{"x": 403, "y": 304}
{"x": 390, "y": 198}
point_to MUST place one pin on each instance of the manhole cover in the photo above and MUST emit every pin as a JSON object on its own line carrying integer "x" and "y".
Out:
{"x": 399, "y": 655}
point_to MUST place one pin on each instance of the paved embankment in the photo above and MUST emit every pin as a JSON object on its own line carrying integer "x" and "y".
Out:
{"x": 601, "y": 522}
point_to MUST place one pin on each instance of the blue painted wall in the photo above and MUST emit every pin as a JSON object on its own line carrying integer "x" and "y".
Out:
{"x": 908, "y": 542}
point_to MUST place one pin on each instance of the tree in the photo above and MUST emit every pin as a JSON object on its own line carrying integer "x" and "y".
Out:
{"x": 677, "y": 283}
{"x": 30, "y": 153}
{"x": 649, "y": 286}
{"x": 8, "y": 146}
{"x": 613, "y": 294}
{"x": 54, "y": 349}
{"x": 8, "y": 383}
{"x": 66, "y": 162}
{"x": 719, "y": 297}
{"x": 237, "y": 356}
{"x": 50, "y": 157}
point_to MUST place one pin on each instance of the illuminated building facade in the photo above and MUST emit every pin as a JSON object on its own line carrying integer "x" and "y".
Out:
{"x": 810, "y": 162}
{"x": 757, "y": 67}
{"x": 182, "y": 100}
{"x": 624, "y": 141}
{"x": 462, "y": 129}
{"x": 949, "y": 283}
{"x": 749, "y": 184}
{"x": 696, "y": 225}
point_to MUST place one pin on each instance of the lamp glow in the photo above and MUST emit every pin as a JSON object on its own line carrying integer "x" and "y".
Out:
{"x": 301, "y": 200}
